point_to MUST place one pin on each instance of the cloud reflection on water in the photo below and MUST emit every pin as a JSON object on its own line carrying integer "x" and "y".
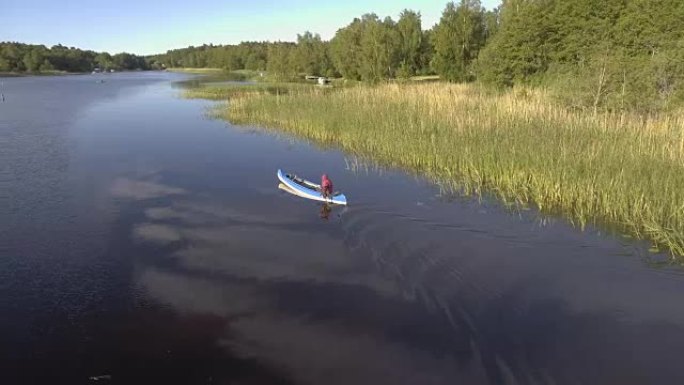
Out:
{"x": 252, "y": 270}
{"x": 381, "y": 303}
{"x": 140, "y": 190}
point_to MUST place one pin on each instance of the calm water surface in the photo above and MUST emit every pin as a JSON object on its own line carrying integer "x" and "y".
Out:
{"x": 143, "y": 242}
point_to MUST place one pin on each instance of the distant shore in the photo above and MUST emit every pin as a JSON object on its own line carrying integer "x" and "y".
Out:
{"x": 60, "y": 73}
{"x": 42, "y": 73}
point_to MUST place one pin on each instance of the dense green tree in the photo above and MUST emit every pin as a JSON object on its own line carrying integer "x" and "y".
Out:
{"x": 380, "y": 45}
{"x": 647, "y": 26}
{"x": 520, "y": 48}
{"x": 410, "y": 43}
{"x": 281, "y": 65}
{"x": 427, "y": 52}
{"x": 310, "y": 55}
{"x": 255, "y": 55}
{"x": 458, "y": 38}
{"x": 491, "y": 23}
{"x": 619, "y": 55}
{"x": 127, "y": 61}
{"x": 11, "y": 53}
{"x": 104, "y": 61}
{"x": 33, "y": 59}
{"x": 345, "y": 50}
{"x": 5, "y": 65}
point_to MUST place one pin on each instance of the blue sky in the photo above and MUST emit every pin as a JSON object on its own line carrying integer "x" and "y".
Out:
{"x": 153, "y": 26}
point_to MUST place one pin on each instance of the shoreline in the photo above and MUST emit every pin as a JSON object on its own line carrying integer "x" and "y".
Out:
{"x": 621, "y": 172}
{"x": 197, "y": 71}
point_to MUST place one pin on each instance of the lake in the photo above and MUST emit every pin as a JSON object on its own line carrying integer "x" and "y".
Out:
{"x": 143, "y": 242}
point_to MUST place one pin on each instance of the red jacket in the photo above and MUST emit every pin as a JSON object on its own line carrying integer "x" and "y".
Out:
{"x": 326, "y": 185}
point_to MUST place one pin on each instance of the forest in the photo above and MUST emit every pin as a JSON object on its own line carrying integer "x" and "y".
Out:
{"x": 611, "y": 55}
{"x": 30, "y": 58}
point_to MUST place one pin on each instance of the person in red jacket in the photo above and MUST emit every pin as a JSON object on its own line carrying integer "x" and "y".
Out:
{"x": 326, "y": 186}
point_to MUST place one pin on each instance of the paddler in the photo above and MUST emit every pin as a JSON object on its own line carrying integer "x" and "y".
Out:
{"x": 326, "y": 186}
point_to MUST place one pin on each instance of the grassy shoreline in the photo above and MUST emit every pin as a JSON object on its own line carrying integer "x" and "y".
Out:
{"x": 199, "y": 71}
{"x": 621, "y": 171}
{"x": 207, "y": 76}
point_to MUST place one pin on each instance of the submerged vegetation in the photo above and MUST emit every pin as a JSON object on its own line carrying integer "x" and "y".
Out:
{"x": 231, "y": 91}
{"x": 612, "y": 169}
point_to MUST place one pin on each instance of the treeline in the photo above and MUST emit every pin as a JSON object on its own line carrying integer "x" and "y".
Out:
{"x": 17, "y": 57}
{"x": 368, "y": 49}
{"x": 608, "y": 54}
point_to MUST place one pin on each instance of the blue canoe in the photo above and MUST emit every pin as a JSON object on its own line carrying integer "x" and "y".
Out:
{"x": 306, "y": 189}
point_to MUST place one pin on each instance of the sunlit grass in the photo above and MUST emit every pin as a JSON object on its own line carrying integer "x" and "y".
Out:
{"x": 626, "y": 172}
{"x": 425, "y": 78}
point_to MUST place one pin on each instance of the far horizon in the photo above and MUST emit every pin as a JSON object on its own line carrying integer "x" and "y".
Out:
{"x": 145, "y": 28}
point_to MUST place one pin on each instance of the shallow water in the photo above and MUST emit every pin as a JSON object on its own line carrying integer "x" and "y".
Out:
{"x": 144, "y": 242}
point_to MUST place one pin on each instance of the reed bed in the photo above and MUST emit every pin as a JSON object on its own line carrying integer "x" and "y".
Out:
{"x": 621, "y": 171}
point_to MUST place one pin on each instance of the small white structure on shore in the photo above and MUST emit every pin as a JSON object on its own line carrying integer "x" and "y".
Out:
{"x": 322, "y": 80}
